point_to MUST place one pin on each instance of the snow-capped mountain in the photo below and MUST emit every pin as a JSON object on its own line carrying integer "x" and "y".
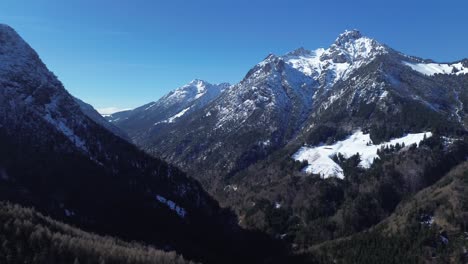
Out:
{"x": 291, "y": 98}
{"x": 350, "y": 51}
{"x": 359, "y": 110}
{"x": 169, "y": 109}
{"x": 276, "y": 101}
{"x": 57, "y": 156}
{"x": 257, "y": 145}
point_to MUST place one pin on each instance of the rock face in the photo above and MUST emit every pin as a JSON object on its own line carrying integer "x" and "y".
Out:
{"x": 356, "y": 83}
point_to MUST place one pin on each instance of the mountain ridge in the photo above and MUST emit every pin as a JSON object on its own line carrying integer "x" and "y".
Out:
{"x": 57, "y": 158}
{"x": 288, "y": 94}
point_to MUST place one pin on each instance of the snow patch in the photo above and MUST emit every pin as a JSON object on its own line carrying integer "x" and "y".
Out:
{"x": 231, "y": 187}
{"x": 174, "y": 117}
{"x": 277, "y": 205}
{"x": 320, "y": 158}
{"x": 151, "y": 105}
{"x": 430, "y": 69}
{"x": 180, "y": 114}
{"x": 69, "y": 133}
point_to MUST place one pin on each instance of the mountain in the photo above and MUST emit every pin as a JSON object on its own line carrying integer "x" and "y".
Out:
{"x": 327, "y": 152}
{"x": 141, "y": 122}
{"x": 317, "y": 145}
{"x": 309, "y": 97}
{"x": 356, "y": 132}
{"x": 56, "y": 157}
{"x": 89, "y": 110}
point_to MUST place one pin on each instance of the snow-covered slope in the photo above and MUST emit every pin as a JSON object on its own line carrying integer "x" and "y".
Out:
{"x": 192, "y": 91}
{"x": 320, "y": 158}
{"x": 438, "y": 68}
{"x": 193, "y": 95}
{"x": 169, "y": 109}
{"x": 350, "y": 51}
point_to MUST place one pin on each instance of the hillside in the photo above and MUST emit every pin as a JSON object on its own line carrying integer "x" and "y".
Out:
{"x": 430, "y": 227}
{"x": 58, "y": 157}
{"x": 30, "y": 237}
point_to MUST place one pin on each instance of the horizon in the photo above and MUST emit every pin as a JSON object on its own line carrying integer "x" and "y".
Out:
{"x": 117, "y": 55}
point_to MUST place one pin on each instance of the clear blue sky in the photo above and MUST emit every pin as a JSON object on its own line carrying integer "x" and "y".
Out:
{"x": 115, "y": 53}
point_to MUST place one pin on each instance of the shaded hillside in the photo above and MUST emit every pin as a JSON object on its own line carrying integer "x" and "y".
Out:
{"x": 57, "y": 158}
{"x": 277, "y": 197}
{"x": 30, "y": 237}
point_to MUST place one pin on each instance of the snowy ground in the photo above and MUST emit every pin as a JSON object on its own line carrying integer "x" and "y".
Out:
{"x": 433, "y": 68}
{"x": 320, "y": 161}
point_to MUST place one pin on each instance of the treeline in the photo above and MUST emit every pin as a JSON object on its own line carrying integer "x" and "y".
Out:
{"x": 417, "y": 245}
{"x": 27, "y": 236}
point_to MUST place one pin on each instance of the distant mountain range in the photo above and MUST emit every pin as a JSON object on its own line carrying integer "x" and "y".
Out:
{"x": 315, "y": 157}
{"x": 355, "y": 84}
{"x": 280, "y": 146}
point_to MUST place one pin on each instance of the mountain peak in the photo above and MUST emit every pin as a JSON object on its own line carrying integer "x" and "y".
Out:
{"x": 348, "y": 36}
{"x": 299, "y": 52}
{"x": 16, "y": 54}
{"x": 197, "y": 82}
{"x": 5, "y": 27}
{"x": 10, "y": 38}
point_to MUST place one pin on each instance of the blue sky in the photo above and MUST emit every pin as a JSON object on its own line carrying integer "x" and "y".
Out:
{"x": 126, "y": 53}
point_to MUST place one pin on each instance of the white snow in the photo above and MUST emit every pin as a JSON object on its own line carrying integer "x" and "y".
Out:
{"x": 320, "y": 158}
{"x": 201, "y": 89}
{"x": 277, "y": 205}
{"x": 309, "y": 64}
{"x": 191, "y": 92}
{"x": 174, "y": 117}
{"x": 181, "y": 113}
{"x": 60, "y": 124}
{"x": 151, "y": 105}
{"x": 231, "y": 187}
{"x": 305, "y": 72}
{"x": 356, "y": 51}
{"x": 172, "y": 205}
{"x": 383, "y": 95}
{"x": 434, "y": 68}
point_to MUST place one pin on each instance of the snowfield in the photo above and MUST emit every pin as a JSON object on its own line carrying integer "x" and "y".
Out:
{"x": 320, "y": 158}
{"x": 433, "y": 68}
